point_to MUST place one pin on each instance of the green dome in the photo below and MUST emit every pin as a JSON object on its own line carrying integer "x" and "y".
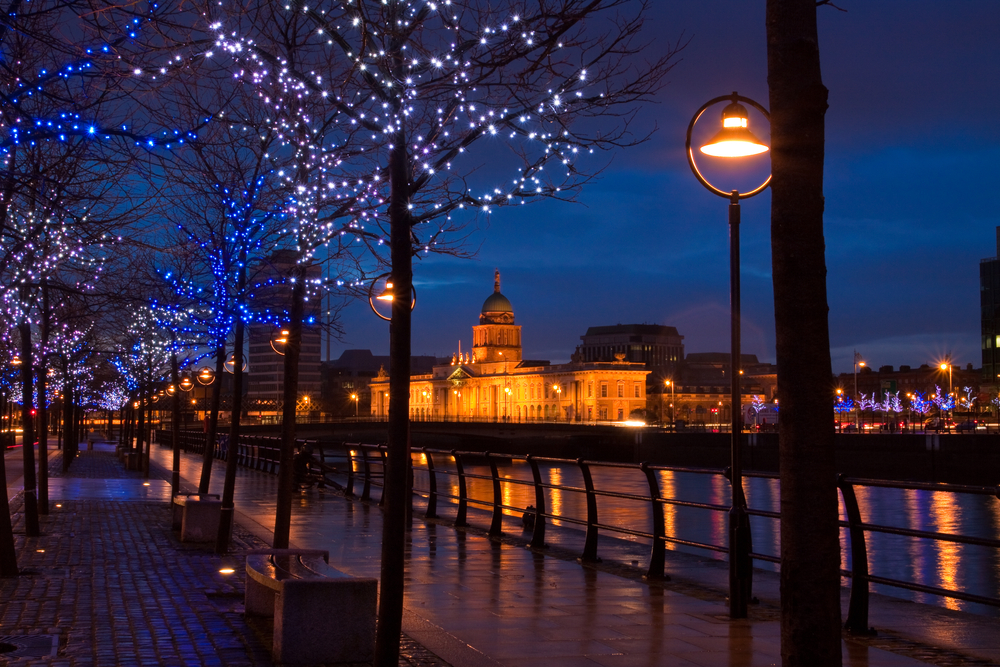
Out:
{"x": 497, "y": 303}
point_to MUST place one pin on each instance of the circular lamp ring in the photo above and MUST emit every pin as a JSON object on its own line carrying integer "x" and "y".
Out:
{"x": 205, "y": 376}
{"x": 230, "y": 364}
{"x": 690, "y": 152}
{"x": 372, "y": 297}
{"x": 279, "y": 340}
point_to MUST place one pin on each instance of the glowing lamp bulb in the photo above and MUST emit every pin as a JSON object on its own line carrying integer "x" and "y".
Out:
{"x": 386, "y": 294}
{"x": 735, "y": 139}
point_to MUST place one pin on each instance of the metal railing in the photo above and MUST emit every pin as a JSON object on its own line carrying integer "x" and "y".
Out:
{"x": 857, "y": 618}
{"x": 366, "y": 464}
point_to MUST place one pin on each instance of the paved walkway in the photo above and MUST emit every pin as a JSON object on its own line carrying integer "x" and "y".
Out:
{"x": 109, "y": 584}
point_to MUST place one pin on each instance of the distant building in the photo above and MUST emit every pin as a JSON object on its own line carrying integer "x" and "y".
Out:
{"x": 989, "y": 296}
{"x": 700, "y": 390}
{"x": 659, "y": 347}
{"x": 926, "y": 379}
{"x": 494, "y": 382}
{"x": 351, "y": 375}
{"x": 266, "y": 373}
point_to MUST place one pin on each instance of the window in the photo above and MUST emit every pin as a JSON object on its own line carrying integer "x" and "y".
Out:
{"x": 635, "y": 387}
{"x": 621, "y": 414}
{"x": 590, "y": 390}
{"x": 621, "y": 390}
{"x": 604, "y": 392}
{"x": 604, "y": 413}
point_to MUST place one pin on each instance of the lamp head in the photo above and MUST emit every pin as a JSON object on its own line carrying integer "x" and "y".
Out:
{"x": 387, "y": 293}
{"x": 735, "y": 139}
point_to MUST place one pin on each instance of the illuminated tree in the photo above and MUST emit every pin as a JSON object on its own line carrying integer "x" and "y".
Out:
{"x": 406, "y": 120}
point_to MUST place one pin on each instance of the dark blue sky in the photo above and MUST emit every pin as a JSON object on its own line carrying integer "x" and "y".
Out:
{"x": 912, "y": 148}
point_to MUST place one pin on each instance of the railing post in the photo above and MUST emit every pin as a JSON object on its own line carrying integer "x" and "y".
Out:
{"x": 366, "y": 490}
{"x": 657, "y": 553}
{"x": 463, "y": 494}
{"x": 857, "y": 611}
{"x": 590, "y": 546}
{"x": 538, "y": 531}
{"x": 432, "y": 487}
{"x": 383, "y": 452}
{"x": 496, "y": 525}
{"x": 349, "y": 487}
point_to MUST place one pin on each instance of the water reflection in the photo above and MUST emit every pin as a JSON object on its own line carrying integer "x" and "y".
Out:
{"x": 930, "y": 562}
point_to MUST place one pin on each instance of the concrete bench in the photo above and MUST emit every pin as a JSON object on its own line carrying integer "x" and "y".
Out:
{"x": 197, "y": 516}
{"x": 321, "y": 615}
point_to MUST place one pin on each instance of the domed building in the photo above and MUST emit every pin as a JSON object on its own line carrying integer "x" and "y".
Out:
{"x": 493, "y": 382}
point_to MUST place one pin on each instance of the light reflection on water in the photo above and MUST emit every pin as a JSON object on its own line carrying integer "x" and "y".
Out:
{"x": 930, "y": 562}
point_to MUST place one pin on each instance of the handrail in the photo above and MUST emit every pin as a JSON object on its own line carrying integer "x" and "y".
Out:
{"x": 260, "y": 453}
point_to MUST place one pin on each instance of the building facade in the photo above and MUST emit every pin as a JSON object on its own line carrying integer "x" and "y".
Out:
{"x": 266, "y": 363}
{"x": 660, "y": 348}
{"x": 494, "y": 382}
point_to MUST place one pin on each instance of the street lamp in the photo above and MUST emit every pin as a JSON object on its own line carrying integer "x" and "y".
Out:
{"x": 506, "y": 416}
{"x": 858, "y": 362}
{"x": 733, "y": 141}
{"x": 670, "y": 383}
{"x": 558, "y": 390}
{"x": 354, "y": 397}
{"x": 946, "y": 365}
{"x": 840, "y": 399}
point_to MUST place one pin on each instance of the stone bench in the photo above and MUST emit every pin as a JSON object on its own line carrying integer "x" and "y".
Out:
{"x": 321, "y": 615}
{"x": 197, "y": 516}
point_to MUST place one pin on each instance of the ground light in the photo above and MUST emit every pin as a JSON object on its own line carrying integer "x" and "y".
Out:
{"x": 734, "y": 141}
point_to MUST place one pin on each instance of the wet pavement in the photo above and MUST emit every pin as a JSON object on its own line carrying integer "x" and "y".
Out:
{"x": 109, "y": 584}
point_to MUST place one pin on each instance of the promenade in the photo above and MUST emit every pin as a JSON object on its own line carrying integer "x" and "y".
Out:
{"x": 109, "y": 583}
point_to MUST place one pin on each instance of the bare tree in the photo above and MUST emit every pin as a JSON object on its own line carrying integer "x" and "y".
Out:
{"x": 436, "y": 112}
{"x": 810, "y": 548}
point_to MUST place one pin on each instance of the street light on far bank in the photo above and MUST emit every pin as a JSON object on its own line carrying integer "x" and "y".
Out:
{"x": 734, "y": 140}
{"x": 354, "y": 397}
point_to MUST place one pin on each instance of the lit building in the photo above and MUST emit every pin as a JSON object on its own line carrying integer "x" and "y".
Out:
{"x": 493, "y": 382}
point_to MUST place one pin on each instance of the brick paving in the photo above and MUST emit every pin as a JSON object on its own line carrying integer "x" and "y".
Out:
{"x": 109, "y": 583}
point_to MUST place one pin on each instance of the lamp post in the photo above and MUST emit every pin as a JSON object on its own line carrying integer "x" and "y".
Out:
{"x": 354, "y": 397}
{"x": 840, "y": 399}
{"x": 558, "y": 391}
{"x": 858, "y": 362}
{"x": 506, "y": 416}
{"x": 946, "y": 365}
{"x": 733, "y": 141}
{"x": 670, "y": 383}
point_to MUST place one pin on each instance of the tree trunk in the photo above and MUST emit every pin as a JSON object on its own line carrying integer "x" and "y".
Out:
{"x": 68, "y": 419}
{"x": 8, "y": 554}
{"x": 208, "y": 456}
{"x": 43, "y": 411}
{"x": 810, "y": 548}
{"x": 31, "y": 528}
{"x": 286, "y": 476}
{"x": 229, "y": 485}
{"x": 390, "y": 611}
{"x": 175, "y": 428}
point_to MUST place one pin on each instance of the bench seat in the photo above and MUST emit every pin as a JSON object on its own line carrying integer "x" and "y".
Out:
{"x": 197, "y": 516}
{"x": 321, "y": 615}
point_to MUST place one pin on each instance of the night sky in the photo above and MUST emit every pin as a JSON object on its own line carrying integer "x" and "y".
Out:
{"x": 912, "y": 148}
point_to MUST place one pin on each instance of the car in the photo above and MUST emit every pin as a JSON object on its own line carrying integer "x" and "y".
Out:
{"x": 850, "y": 428}
{"x": 966, "y": 426}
